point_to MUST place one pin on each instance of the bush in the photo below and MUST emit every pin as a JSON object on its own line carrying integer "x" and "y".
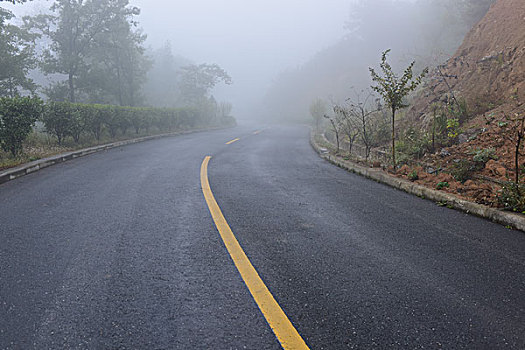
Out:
{"x": 17, "y": 117}
{"x": 482, "y": 156}
{"x": 93, "y": 119}
{"x": 58, "y": 119}
{"x": 413, "y": 176}
{"x": 511, "y": 197}
{"x": 453, "y": 130}
{"x": 412, "y": 145}
{"x": 442, "y": 185}
{"x": 64, "y": 119}
{"x": 462, "y": 170}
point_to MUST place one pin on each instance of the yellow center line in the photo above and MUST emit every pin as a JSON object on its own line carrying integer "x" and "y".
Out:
{"x": 232, "y": 141}
{"x": 275, "y": 316}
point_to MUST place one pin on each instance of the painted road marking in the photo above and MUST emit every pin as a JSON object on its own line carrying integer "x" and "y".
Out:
{"x": 232, "y": 141}
{"x": 275, "y": 316}
{"x": 257, "y": 132}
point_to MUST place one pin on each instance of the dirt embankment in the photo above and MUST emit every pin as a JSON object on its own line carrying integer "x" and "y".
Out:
{"x": 487, "y": 68}
{"x": 488, "y": 73}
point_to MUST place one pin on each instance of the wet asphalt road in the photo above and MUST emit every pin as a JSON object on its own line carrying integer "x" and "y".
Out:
{"x": 118, "y": 250}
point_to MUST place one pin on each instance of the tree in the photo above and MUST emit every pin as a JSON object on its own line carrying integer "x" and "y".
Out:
{"x": 360, "y": 110}
{"x": 118, "y": 64}
{"x": 161, "y": 86}
{"x": 16, "y": 57}
{"x": 347, "y": 124}
{"x": 197, "y": 81}
{"x": 335, "y": 122}
{"x": 224, "y": 109}
{"x": 72, "y": 28}
{"x": 393, "y": 90}
{"x": 317, "y": 111}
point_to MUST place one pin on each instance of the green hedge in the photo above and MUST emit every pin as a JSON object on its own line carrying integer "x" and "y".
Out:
{"x": 72, "y": 120}
{"x": 17, "y": 117}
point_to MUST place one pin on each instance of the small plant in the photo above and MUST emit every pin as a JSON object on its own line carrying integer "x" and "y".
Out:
{"x": 510, "y": 197}
{"x": 453, "y": 128}
{"x": 413, "y": 176}
{"x": 462, "y": 170}
{"x": 482, "y": 156}
{"x": 441, "y": 185}
{"x": 413, "y": 144}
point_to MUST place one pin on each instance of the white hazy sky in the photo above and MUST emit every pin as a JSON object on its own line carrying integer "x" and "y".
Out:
{"x": 253, "y": 40}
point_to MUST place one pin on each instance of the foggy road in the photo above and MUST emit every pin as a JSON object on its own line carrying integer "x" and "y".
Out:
{"x": 118, "y": 250}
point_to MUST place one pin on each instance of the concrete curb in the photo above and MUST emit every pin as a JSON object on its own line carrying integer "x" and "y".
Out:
{"x": 31, "y": 167}
{"x": 506, "y": 218}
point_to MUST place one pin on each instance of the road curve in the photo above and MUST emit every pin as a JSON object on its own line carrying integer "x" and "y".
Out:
{"x": 119, "y": 250}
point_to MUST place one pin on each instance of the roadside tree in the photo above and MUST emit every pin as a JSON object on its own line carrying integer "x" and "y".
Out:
{"x": 393, "y": 90}
{"x": 16, "y": 57}
{"x": 318, "y": 109}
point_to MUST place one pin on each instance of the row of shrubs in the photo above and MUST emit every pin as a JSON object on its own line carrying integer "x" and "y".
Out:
{"x": 71, "y": 120}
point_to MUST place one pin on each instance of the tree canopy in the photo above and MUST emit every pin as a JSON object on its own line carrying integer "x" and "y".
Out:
{"x": 394, "y": 89}
{"x": 17, "y": 57}
{"x": 198, "y": 80}
{"x": 94, "y": 45}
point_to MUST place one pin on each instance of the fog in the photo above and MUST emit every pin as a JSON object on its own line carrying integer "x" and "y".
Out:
{"x": 283, "y": 54}
{"x": 252, "y": 40}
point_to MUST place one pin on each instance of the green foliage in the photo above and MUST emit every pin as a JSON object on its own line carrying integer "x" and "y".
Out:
{"x": 511, "y": 197}
{"x": 413, "y": 145}
{"x": 413, "y": 176}
{"x": 17, "y": 116}
{"x": 453, "y": 128}
{"x": 439, "y": 129}
{"x": 64, "y": 119}
{"x": 92, "y": 43}
{"x": 58, "y": 119}
{"x": 441, "y": 185}
{"x": 462, "y": 170}
{"x": 16, "y": 57}
{"x": 394, "y": 89}
{"x": 458, "y": 110}
{"x": 197, "y": 81}
{"x": 482, "y": 156}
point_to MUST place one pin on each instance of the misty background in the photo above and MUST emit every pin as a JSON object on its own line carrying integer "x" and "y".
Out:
{"x": 283, "y": 55}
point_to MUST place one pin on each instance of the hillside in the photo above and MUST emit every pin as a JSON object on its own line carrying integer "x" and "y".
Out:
{"x": 488, "y": 73}
{"x": 488, "y": 67}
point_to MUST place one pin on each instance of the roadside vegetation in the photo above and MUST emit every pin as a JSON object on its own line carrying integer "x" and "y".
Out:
{"x": 79, "y": 75}
{"x": 452, "y": 128}
{"x": 63, "y": 126}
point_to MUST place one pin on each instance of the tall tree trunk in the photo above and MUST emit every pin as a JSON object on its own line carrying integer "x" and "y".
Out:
{"x": 71, "y": 88}
{"x": 119, "y": 81}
